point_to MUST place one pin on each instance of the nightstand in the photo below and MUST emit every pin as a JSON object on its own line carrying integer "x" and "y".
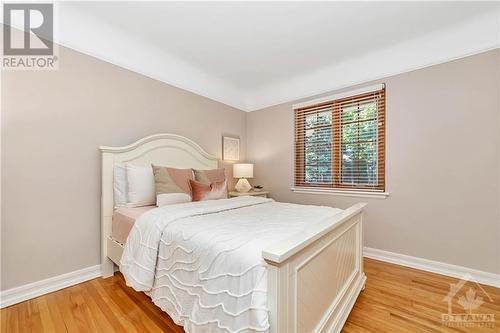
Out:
{"x": 264, "y": 194}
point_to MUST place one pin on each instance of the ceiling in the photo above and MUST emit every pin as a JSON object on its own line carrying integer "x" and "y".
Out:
{"x": 255, "y": 54}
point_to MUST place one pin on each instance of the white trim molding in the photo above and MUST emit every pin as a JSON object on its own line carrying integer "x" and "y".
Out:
{"x": 42, "y": 287}
{"x": 22, "y": 293}
{"x": 341, "y": 192}
{"x": 476, "y": 35}
{"x": 487, "y": 278}
{"x": 85, "y": 32}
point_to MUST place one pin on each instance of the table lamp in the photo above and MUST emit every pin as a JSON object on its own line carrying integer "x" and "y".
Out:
{"x": 243, "y": 171}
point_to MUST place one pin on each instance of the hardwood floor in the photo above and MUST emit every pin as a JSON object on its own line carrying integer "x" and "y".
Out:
{"x": 396, "y": 299}
{"x": 401, "y": 299}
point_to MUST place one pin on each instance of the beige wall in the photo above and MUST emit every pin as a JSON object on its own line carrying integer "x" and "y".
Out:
{"x": 442, "y": 164}
{"x": 52, "y": 125}
{"x": 442, "y": 159}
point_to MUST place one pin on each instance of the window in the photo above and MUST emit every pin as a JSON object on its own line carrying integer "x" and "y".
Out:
{"x": 340, "y": 143}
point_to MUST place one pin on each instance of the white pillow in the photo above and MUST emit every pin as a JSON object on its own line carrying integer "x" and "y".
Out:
{"x": 165, "y": 199}
{"x": 141, "y": 185}
{"x": 120, "y": 187}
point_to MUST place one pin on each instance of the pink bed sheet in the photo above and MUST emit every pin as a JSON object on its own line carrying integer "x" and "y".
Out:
{"x": 123, "y": 221}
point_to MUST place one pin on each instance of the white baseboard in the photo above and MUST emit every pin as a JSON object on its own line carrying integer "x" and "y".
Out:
{"x": 35, "y": 289}
{"x": 432, "y": 266}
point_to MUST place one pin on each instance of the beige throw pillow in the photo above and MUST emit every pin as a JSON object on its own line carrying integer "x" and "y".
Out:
{"x": 208, "y": 177}
{"x": 171, "y": 180}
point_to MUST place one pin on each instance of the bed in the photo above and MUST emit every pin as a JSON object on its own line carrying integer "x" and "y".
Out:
{"x": 309, "y": 269}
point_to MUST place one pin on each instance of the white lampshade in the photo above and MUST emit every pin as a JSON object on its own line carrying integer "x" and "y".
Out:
{"x": 243, "y": 170}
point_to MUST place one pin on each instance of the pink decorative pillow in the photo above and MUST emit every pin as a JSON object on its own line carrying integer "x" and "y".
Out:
{"x": 202, "y": 192}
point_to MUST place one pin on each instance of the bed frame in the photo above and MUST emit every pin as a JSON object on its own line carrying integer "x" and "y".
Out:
{"x": 314, "y": 277}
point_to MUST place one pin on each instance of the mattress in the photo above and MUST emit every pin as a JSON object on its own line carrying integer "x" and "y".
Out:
{"x": 123, "y": 221}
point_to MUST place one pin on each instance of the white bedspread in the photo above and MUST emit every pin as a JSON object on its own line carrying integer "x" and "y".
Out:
{"x": 201, "y": 262}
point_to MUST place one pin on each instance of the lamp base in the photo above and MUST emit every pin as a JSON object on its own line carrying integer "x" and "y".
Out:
{"x": 243, "y": 186}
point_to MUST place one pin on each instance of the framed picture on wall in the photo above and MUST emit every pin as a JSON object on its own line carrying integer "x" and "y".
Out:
{"x": 230, "y": 148}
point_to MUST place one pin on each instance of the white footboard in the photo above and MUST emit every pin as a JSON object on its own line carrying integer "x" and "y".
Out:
{"x": 315, "y": 277}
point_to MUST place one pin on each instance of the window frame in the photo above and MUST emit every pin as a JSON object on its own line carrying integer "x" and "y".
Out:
{"x": 335, "y": 104}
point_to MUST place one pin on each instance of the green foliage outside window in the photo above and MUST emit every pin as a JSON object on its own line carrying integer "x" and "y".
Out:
{"x": 358, "y": 130}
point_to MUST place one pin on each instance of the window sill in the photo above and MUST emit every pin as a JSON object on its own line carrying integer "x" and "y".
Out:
{"x": 339, "y": 192}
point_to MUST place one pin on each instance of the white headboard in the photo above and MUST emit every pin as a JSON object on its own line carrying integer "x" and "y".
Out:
{"x": 162, "y": 149}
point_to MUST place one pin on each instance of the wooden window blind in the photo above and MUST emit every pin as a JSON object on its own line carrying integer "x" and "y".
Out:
{"x": 340, "y": 144}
